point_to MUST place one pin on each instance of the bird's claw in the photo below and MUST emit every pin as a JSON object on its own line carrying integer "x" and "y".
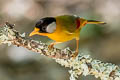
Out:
{"x": 50, "y": 47}
{"x": 74, "y": 55}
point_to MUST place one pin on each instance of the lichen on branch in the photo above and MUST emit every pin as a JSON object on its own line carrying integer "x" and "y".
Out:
{"x": 81, "y": 65}
{"x": 9, "y": 35}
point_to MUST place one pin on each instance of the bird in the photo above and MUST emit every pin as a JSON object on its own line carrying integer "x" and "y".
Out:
{"x": 62, "y": 28}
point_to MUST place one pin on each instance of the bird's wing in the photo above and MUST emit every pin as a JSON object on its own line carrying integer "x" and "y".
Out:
{"x": 67, "y": 23}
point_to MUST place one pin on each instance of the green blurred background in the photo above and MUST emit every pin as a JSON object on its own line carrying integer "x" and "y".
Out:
{"x": 100, "y": 41}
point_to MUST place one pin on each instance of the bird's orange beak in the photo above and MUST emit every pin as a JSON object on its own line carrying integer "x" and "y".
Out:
{"x": 34, "y": 32}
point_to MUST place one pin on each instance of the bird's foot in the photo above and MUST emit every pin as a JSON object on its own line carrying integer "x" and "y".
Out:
{"x": 74, "y": 55}
{"x": 50, "y": 47}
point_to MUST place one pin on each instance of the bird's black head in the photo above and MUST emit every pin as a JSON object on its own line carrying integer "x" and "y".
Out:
{"x": 46, "y": 25}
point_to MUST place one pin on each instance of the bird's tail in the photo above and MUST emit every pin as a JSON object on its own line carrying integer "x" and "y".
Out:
{"x": 95, "y": 22}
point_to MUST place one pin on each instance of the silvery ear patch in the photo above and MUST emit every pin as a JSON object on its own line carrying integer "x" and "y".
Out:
{"x": 51, "y": 27}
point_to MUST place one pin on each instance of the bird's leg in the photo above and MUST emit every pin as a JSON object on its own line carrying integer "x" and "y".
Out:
{"x": 77, "y": 48}
{"x": 52, "y": 45}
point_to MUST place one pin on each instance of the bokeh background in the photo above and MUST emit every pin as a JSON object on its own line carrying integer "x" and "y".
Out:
{"x": 100, "y": 41}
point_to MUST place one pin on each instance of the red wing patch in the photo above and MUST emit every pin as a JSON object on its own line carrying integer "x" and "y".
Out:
{"x": 78, "y": 23}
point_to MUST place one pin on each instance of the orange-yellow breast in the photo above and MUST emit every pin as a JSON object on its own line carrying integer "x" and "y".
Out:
{"x": 62, "y": 35}
{"x": 65, "y": 32}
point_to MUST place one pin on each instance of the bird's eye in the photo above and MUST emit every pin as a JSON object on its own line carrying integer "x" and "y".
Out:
{"x": 43, "y": 28}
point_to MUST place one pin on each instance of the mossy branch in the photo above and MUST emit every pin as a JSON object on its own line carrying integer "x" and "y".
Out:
{"x": 82, "y": 65}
